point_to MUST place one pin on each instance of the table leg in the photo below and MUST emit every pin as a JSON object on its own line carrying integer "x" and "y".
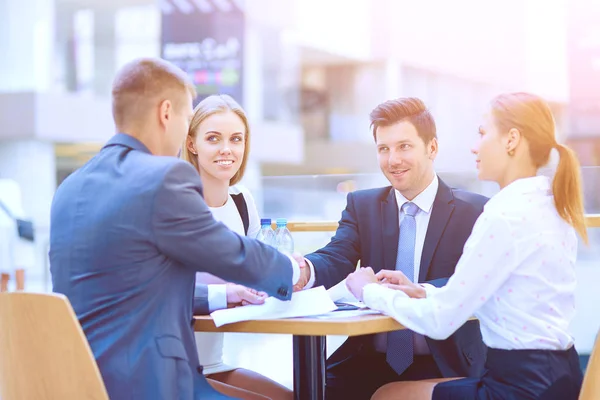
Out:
{"x": 309, "y": 367}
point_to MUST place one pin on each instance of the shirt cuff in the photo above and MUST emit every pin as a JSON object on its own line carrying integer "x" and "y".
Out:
{"x": 313, "y": 278}
{"x": 429, "y": 289}
{"x": 375, "y": 296}
{"x": 217, "y": 297}
{"x": 295, "y": 269}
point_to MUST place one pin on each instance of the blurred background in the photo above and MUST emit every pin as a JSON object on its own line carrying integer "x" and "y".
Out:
{"x": 307, "y": 72}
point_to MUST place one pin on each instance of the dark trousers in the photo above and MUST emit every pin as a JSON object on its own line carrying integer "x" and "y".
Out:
{"x": 358, "y": 377}
{"x": 520, "y": 375}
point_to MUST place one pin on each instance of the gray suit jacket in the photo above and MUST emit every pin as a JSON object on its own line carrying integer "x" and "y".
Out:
{"x": 128, "y": 233}
{"x": 201, "y": 300}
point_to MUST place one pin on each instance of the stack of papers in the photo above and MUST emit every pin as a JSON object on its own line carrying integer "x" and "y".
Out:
{"x": 340, "y": 294}
{"x": 305, "y": 303}
{"x": 348, "y": 314}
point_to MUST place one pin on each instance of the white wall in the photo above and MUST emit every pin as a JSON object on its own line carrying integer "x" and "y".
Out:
{"x": 338, "y": 27}
{"x": 481, "y": 40}
{"x": 546, "y": 49}
{"x": 26, "y": 44}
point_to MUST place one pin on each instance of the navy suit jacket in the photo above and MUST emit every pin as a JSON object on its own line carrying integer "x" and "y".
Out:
{"x": 128, "y": 233}
{"x": 368, "y": 232}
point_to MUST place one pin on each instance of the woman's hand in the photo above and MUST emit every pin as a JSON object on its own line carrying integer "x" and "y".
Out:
{"x": 398, "y": 281}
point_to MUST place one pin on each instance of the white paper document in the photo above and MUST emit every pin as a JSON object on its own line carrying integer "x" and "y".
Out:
{"x": 341, "y": 293}
{"x": 305, "y": 303}
{"x": 348, "y": 314}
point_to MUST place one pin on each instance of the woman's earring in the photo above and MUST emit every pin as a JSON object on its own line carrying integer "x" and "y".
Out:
{"x": 511, "y": 153}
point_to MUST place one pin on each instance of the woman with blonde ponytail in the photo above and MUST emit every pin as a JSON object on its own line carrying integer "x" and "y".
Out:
{"x": 516, "y": 273}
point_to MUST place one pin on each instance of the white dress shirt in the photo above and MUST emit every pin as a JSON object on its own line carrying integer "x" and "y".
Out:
{"x": 516, "y": 275}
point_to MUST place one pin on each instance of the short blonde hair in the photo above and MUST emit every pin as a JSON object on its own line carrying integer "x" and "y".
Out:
{"x": 209, "y": 106}
{"x": 142, "y": 82}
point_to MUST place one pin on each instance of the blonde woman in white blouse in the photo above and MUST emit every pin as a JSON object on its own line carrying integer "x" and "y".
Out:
{"x": 217, "y": 145}
{"x": 516, "y": 273}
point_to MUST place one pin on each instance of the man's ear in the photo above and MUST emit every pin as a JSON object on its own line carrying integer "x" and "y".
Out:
{"x": 432, "y": 149}
{"x": 165, "y": 111}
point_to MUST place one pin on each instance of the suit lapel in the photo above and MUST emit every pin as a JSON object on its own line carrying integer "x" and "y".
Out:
{"x": 390, "y": 230}
{"x": 440, "y": 214}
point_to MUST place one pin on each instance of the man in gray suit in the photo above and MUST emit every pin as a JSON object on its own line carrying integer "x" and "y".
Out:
{"x": 129, "y": 231}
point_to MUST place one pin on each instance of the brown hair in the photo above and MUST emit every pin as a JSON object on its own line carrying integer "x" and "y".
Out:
{"x": 408, "y": 109}
{"x": 532, "y": 117}
{"x": 142, "y": 82}
{"x": 209, "y": 106}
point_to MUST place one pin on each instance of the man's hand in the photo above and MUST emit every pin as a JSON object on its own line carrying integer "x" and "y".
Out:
{"x": 398, "y": 281}
{"x": 356, "y": 281}
{"x": 304, "y": 272}
{"x": 238, "y": 295}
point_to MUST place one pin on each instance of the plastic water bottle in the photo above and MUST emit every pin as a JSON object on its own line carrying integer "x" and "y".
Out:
{"x": 266, "y": 233}
{"x": 283, "y": 237}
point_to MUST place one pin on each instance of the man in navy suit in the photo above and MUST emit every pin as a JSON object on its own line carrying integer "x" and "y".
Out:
{"x": 371, "y": 231}
{"x": 129, "y": 231}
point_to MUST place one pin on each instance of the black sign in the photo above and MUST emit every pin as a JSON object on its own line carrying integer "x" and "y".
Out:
{"x": 205, "y": 38}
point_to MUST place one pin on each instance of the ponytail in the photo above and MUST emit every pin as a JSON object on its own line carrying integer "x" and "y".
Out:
{"x": 567, "y": 190}
{"x": 532, "y": 116}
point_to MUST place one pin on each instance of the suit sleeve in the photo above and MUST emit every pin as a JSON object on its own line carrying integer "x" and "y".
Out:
{"x": 335, "y": 261}
{"x": 201, "y": 299}
{"x": 438, "y": 283}
{"x": 209, "y": 298}
{"x": 186, "y": 232}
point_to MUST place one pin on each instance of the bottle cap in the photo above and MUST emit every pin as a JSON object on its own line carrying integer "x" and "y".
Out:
{"x": 281, "y": 221}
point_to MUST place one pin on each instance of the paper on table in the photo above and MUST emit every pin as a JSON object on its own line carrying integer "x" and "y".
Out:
{"x": 340, "y": 292}
{"x": 358, "y": 304}
{"x": 303, "y": 304}
{"x": 348, "y": 314}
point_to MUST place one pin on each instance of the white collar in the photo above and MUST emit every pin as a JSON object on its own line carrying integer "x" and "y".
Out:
{"x": 425, "y": 199}
{"x": 538, "y": 185}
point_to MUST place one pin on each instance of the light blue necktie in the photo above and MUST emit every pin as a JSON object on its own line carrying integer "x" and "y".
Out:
{"x": 399, "y": 354}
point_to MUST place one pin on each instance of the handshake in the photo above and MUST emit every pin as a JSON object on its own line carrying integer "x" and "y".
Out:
{"x": 238, "y": 295}
{"x": 357, "y": 280}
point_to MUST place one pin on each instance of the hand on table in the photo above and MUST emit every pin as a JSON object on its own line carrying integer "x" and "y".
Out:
{"x": 238, "y": 295}
{"x": 396, "y": 280}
